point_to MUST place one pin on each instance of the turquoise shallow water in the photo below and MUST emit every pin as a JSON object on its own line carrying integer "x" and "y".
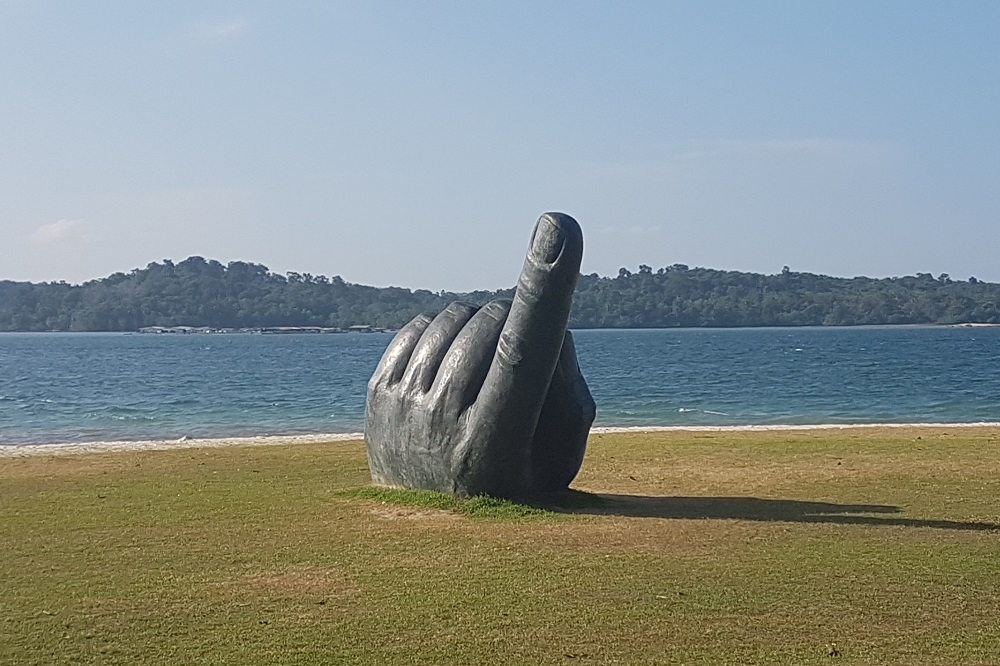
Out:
{"x": 91, "y": 387}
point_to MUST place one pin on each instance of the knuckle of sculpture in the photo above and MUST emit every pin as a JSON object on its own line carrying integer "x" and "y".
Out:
{"x": 497, "y": 309}
{"x": 461, "y": 309}
{"x": 509, "y": 348}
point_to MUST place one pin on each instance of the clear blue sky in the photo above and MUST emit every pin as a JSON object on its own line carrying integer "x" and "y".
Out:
{"x": 415, "y": 143}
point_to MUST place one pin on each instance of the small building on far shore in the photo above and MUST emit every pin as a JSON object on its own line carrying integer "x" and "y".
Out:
{"x": 277, "y": 330}
{"x": 267, "y": 330}
{"x": 177, "y": 329}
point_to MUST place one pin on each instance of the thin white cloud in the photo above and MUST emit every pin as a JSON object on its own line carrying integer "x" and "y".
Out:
{"x": 820, "y": 147}
{"x": 634, "y": 230}
{"x": 218, "y": 32}
{"x": 59, "y": 231}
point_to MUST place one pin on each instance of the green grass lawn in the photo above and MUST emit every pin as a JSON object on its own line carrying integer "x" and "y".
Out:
{"x": 677, "y": 548}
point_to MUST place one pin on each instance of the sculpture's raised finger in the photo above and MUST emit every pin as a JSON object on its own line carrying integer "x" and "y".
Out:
{"x": 433, "y": 345}
{"x": 464, "y": 367}
{"x": 390, "y": 369}
{"x": 518, "y": 378}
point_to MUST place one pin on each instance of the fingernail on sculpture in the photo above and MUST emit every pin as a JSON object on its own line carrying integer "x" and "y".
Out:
{"x": 490, "y": 400}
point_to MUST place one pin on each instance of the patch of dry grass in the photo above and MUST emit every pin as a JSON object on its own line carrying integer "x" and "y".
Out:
{"x": 694, "y": 548}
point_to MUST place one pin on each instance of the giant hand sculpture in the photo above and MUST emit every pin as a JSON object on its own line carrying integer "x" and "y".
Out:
{"x": 488, "y": 400}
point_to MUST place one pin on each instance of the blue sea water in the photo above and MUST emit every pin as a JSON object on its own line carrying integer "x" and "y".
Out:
{"x": 61, "y": 387}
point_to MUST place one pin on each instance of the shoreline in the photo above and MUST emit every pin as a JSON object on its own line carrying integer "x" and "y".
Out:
{"x": 79, "y": 448}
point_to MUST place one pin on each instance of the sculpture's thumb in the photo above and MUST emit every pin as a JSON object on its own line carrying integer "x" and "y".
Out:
{"x": 532, "y": 337}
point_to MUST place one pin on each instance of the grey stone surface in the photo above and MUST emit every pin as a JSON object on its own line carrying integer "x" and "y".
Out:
{"x": 488, "y": 400}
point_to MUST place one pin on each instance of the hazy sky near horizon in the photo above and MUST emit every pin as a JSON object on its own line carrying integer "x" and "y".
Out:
{"x": 415, "y": 143}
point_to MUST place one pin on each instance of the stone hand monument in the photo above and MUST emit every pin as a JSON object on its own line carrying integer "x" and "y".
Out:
{"x": 490, "y": 400}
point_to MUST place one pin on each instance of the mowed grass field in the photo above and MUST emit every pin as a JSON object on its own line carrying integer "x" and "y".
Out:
{"x": 783, "y": 547}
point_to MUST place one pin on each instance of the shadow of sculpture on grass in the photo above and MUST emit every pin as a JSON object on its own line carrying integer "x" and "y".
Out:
{"x": 747, "y": 508}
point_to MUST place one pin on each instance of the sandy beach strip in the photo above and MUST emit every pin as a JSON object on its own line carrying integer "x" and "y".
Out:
{"x": 77, "y": 448}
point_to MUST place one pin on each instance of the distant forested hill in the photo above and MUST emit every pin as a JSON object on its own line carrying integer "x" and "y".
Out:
{"x": 197, "y": 292}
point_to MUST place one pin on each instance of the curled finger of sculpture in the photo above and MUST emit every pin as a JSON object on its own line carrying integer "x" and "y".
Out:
{"x": 460, "y": 377}
{"x": 397, "y": 355}
{"x": 433, "y": 346}
{"x": 563, "y": 426}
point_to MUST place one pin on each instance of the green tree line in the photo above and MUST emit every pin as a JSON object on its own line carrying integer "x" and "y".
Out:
{"x": 200, "y": 292}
